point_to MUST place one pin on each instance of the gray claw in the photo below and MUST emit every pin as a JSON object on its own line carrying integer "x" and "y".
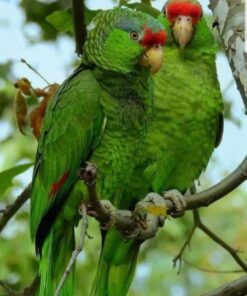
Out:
{"x": 178, "y": 200}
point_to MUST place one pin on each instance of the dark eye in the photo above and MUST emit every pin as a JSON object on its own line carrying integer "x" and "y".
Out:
{"x": 179, "y": 18}
{"x": 188, "y": 19}
{"x": 134, "y": 35}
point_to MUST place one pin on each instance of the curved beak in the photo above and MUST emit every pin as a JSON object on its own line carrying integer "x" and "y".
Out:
{"x": 183, "y": 30}
{"x": 152, "y": 58}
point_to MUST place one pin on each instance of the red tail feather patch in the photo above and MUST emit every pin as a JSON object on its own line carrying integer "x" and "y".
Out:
{"x": 55, "y": 187}
{"x": 153, "y": 38}
{"x": 185, "y": 8}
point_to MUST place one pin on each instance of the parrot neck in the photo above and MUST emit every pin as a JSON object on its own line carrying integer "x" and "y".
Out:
{"x": 132, "y": 86}
{"x": 133, "y": 91}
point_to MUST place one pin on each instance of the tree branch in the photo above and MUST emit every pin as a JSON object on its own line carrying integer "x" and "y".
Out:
{"x": 143, "y": 224}
{"x": 198, "y": 223}
{"x": 211, "y": 195}
{"x": 28, "y": 291}
{"x": 235, "y": 288}
{"x": 83, "y": 213}
{"x": 230, "y": 21}
{"x": 203, "y": 269}
{"x": 79, "y": 25}
{"x": 178, "y": 257}
{"x": 10, "y": 210}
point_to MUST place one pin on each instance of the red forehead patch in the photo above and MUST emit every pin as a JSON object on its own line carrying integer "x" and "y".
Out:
{"x": 153, "y": 38}
{"x": 183, "y": 8}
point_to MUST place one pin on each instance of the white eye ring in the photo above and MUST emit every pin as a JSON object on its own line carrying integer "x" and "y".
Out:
{"x": 134, "y": 35}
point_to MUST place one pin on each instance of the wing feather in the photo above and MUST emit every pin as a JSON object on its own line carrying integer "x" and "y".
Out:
{"x": 72, "y": 123}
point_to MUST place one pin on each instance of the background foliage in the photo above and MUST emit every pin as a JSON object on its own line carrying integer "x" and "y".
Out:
{"x": 155, "y": 274}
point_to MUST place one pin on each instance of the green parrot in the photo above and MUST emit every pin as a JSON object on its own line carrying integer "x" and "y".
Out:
{"x": 100, "y": 114}
{"x": 186, "y": 126}
{"x": 188, "y": 105}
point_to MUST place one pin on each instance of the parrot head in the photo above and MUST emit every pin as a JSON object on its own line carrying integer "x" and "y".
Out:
{"x": 124, "y": 40}
{"x": 183, "y": 15}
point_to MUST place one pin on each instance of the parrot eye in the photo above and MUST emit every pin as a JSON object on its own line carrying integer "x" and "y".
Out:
{"x": 179, "y": 18}
{"x": 134, "y": 35}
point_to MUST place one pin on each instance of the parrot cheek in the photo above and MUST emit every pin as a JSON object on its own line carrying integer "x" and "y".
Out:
{"x": 152, "y": 58}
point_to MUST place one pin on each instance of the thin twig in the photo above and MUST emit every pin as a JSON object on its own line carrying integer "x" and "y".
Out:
{"x": 7, "y": 213}
{"x": 199, "y": 224}
{"x": 28, "y": 291}
{"x": 218, "y": 240}
{"x": 84, "y": 226}
{"x": 79, "y": 25}
{"x": 7, "y": 288}
{"x": 211, "y": 270}
{"x": 35, "y": 71}
{"x": 178, "y": 257}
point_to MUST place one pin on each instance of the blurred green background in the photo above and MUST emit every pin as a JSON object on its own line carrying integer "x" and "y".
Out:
{"x": 24, "y": 33}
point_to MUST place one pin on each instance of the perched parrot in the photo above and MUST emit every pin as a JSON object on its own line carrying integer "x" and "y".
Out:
{"x": 188, "y": 121}
{"x": 100, "y": 114}
{"x": 186, "y": 126}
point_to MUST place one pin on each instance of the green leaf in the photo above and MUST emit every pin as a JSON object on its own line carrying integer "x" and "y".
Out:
{"x": 61, "y": 20}
{"x": 144, "y": 6}
{"x": 5, "y": 69}
{"x": 7, "y": 176}
{"x": 90, "y": 14}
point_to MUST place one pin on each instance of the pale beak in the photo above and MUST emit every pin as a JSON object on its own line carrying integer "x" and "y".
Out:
{"x": 183, "y": 30}
{"x": 152, "y": 58}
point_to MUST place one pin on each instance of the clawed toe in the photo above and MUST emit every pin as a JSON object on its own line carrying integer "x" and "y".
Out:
{"x": 178, "y": 201}
{"x": 88, "y": 174}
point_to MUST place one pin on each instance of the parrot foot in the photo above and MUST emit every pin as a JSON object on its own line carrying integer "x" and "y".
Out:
{"x": 112, "y": 212}
{"x": 88, "y": 174}
{"x": 131, "y": 234}
{"x": 158, "y": 201}
{"x": 178, "y": 201}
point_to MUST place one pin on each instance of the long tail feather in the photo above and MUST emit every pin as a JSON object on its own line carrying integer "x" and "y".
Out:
{"x": 56, "y": 253}
{"x": 116, "y": 266}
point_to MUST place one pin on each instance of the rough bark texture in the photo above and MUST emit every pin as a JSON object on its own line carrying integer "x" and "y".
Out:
{"x": 230, "y": 20}
{"x": 235, "y": 288}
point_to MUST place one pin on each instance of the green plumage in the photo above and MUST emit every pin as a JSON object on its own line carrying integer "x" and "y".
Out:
{"x": 99, "y": 114}
{"x": 187, "y": 122}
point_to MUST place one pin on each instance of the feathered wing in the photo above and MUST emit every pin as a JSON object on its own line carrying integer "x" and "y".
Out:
{"x": 71, "y": 129}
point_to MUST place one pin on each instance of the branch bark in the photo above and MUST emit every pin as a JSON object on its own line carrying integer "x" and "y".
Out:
{"x": 211, "y": 195}
{"x": 230, "y": 20}
{"x": 79, "y": 25}
{"x": 28, "y": 291}
{"x": 10, "y": 210}
{"x": 235, "y": 288}
{"x": 143, "y": 223}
